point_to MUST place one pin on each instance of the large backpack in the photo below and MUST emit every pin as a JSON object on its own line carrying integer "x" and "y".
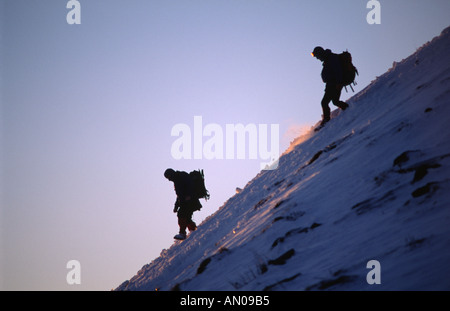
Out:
{"x": 349, "y": 71}
{"x": 198, "y": 180}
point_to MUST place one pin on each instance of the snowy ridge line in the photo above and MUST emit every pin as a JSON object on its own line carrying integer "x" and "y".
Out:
{"x": 372, "y": 184}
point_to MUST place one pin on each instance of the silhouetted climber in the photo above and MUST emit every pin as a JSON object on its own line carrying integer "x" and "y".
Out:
{"x": 186, "y": 203}
{"x": 332, "y": 76}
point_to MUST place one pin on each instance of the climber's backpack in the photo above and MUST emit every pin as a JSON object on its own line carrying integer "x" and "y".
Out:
{"x": 349, "y": 71}
{"x": 198, "y": 180}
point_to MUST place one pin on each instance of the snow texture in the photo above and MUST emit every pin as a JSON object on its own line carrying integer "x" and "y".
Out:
{"x": 372, "y": 184}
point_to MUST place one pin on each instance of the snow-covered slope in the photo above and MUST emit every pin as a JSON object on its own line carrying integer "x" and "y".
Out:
{"x": 373, "y": 184}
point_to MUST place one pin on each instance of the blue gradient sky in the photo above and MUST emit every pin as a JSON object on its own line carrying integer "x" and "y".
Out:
{"x": 87, "y": 113}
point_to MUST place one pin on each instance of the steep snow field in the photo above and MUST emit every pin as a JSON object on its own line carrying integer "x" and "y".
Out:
{"x": 373, "y": 184}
